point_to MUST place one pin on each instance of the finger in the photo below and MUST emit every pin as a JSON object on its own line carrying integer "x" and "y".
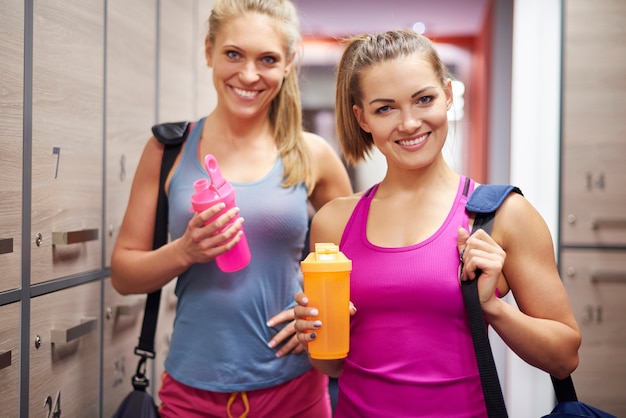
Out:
{"x": 291, "y": 346}
{"x": 206, "y": 215}
{"x": 301, "y": 299}
{"x": 283, "y": 316}
{"x": 461, "y": 243}
{"x": 352, "y": 308}
{"x": 462, "y": 237}
{"x": 306, "y": 337}
{"x": 306, "y": 319}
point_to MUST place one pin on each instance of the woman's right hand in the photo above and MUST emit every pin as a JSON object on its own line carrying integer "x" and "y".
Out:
{"x": 305, "y": 326}
{"x": 203, "y": 241}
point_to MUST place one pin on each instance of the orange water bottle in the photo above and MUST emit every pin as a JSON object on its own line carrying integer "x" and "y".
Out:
{"x": 327, "y": 285}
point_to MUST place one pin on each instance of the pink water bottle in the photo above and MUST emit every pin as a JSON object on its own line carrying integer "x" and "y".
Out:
{"x": 208, "y": 193}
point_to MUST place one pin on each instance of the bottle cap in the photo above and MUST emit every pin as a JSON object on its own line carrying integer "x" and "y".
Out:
{"x": 204, "y": 192}
{"x": 217, "y": 180}
{"x": 326, "y": 258}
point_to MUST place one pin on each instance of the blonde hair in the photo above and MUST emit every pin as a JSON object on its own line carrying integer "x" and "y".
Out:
{"x": 360, "y": 53}
{"x": 285, "y": 110}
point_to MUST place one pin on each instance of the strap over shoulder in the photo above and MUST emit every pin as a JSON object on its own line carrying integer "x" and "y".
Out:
{"x": 487, "y": 198}
{"x": 172, "y": 133}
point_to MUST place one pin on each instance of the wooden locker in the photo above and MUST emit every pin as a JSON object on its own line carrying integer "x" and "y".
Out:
{"x": 130, "y": 102}
{"x": 12, "y": 108}
{"x": 9, "y": 359}
{"x": 177, "y": 84}
{"x": 596, "y": 284}
{"x": 593, "y": 204}
{"x": 594, "y": 133}
{"x": 123, "y": 316}
{"x": 64, "y": 352}
{"x": 67, "y": 142}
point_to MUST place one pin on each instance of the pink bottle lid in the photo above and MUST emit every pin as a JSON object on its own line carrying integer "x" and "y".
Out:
{"x": 219, "y": 184}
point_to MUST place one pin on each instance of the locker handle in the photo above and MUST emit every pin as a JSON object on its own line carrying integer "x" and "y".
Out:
{"x": 74, "y": 237}
{"x": 6, "y": 245}
{"x": 64, "y": 336}
{"x": 608, "y": 277}
{"x": 129, "y": 309}
{"x": 5, "y": 359}
{"x": 598, "y": 223}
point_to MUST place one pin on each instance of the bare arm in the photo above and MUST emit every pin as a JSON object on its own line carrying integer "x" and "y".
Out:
{"x": 135, "y": 266}
{"x": 543, "y": 331}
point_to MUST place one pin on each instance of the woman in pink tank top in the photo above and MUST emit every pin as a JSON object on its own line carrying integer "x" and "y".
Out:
{"x": 411, "y": 351}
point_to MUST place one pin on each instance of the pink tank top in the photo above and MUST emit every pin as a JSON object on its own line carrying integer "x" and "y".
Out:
{"x": 411, "y": 351}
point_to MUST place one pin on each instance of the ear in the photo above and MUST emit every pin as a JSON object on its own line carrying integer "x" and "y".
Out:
{"x": 360, "y": 118}
{"x": 208, "y": 50}
{"x": 449, "y": 97}
{"x": 290, "y": 63}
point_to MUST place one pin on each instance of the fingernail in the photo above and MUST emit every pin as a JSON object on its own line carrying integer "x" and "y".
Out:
{"x": 269, "y": 324}
{"x": 314, "y": 312}
{"x": 271, "y": 344}
{"x": 317, "y": 324}
{"x": 313, "y": 335}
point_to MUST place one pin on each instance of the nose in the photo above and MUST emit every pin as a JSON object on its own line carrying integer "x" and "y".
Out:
{"x": 409, "y": 122}
{"x": 249, "y": 72}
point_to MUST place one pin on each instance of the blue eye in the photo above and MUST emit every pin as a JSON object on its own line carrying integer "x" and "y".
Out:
{"x": 269, "y": 60}
{"x": 232, "y": 54}
{"x": 425, "y": 99}
{"x": 383, "y": 109}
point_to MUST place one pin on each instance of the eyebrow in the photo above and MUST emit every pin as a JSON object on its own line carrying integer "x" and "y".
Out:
{"x": 414, "y": 95}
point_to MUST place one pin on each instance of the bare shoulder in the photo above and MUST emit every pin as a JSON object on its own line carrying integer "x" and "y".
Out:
{"x": 517, "y": 218}
{"x": 329, "y": 174}
{"x": 331, "y": 219}
{"x": 318, "y": 147}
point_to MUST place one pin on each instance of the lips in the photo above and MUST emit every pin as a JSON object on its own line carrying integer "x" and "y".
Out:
{"x": 248, "y": 94}
{"x": 414, "y": 141}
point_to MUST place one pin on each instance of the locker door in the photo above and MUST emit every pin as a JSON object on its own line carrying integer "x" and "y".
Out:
{"x": 64, "y": 352}
{"x": 10, "y": 359}
{"x": 177, "y": 84}
{"x": 596, "y": 284}
{"x": 131, "y": 102}
{"x": 122, "y": 326}
{"x": 11, "y": 105}
{"x": 594, "y": 133}
{"x": 68, "y": 56}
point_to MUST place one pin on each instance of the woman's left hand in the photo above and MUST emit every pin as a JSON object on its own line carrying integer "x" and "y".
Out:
{"x": 287, "y": 334}
{"x": 479, "y": 252}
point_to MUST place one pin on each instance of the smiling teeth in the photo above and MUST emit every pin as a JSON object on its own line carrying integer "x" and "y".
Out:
{"x": 413, "y": 141}
{"x": 245, "y": 93}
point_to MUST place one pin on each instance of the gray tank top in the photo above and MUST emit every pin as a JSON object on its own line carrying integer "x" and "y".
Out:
{"x": 220, "y": 334}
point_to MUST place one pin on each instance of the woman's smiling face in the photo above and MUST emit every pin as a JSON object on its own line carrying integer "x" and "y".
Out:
{"x": 404, "y": 107}
{"x": 249, "y": 63}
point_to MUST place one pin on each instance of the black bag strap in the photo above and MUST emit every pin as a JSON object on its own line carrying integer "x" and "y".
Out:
{"x": 494, "y": 400}
{"x": 172, "y": 135}
{"x": 484, "y": 202}
{"x": 564, "y": 389}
